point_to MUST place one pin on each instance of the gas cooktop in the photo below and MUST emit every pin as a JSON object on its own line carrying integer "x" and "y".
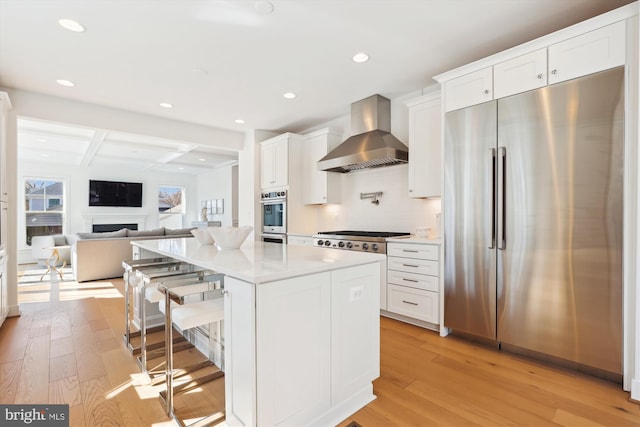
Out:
{"x": 366, "y": 241}
{"x": 353, "y": 233}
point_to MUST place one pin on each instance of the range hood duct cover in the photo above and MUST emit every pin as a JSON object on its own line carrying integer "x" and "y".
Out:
{"x": 372, "y": 144}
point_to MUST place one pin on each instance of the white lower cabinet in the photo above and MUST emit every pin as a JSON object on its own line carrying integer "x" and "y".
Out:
{"x": 413, "y": 281}
{"x": 312, "y": 345}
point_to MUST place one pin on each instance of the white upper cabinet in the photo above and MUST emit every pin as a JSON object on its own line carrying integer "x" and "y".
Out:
{"x": 425, "y": 163}
{"x": 274, "y": 162}
{"x": 520, "y": 74}
{"x": 588, "y": 53}
{"x": 470, "y": 89}
{"x": 319, "y": 187}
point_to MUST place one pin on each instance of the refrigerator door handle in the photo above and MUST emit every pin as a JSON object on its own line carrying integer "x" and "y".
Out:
{"x": 502, "y": 238}
{"x": 492, "y": 191}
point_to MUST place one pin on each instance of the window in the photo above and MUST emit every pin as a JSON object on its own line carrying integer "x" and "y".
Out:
{"x": 170, "y": 206}
{"x": 44, "y": 207}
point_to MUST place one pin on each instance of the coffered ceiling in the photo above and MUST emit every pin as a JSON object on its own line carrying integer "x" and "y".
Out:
{"x": 64, "y": 144}
{"x": 218, "y": 62}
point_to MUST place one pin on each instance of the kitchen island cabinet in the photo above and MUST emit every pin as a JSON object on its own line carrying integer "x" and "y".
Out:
{"x": 301, "y": 329}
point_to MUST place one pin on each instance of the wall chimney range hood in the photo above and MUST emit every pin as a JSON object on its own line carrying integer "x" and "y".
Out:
{"x": 372, "y": 144}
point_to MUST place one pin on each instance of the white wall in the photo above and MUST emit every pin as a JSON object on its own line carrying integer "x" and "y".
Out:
{"x": 77, "y": 196}
{"x": 396, "y": 211}
{"x": 217, "y": 184}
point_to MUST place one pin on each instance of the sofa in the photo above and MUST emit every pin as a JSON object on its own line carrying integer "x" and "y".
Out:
{"x": 96, "y": 256}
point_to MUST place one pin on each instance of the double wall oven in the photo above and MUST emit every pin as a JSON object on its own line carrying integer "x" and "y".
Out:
{"x": 274, "y": 216}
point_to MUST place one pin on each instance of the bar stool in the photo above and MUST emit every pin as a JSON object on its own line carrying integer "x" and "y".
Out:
{"x": 150, "y": 279}
{"x": 185, "y": 315}
{"x": 131, "y": 282}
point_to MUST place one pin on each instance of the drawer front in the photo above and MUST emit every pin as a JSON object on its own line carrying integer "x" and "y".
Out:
{"x": 415, "y": 303}
{"x": 408, "y": 250}
{"x": 418, "y": 281}
{"x": 410, "y": 265}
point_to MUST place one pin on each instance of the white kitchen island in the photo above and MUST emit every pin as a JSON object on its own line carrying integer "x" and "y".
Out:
{"x": 302, "y": 336}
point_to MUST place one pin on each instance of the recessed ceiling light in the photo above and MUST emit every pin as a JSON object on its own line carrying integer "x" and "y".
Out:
{"x": 289, "y": 95}
{"x": 360, "y": 57}
{"x": 166, "y": 105}
{"x": 71, "y": 25}
{"x": 202, "y": 160}
{"x": 44, "y": 155}
{"x": 239, "y": 121}
{"x": 181, "y": 168}
{"x": 41, "y": 140}
{"x": 65, "y": 83}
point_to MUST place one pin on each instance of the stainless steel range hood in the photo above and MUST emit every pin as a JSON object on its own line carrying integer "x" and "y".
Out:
{"x": 372, "y": 144}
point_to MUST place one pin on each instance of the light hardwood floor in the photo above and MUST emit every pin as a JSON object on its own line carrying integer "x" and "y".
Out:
{"x": 67, "y": 348}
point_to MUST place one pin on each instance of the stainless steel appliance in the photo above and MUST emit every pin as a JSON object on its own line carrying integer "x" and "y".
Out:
{"x": 366, "y": 241}
{"x": 533, "y": 221}
{"x": 371, "y": 145}
{"x": 274, "y": 212}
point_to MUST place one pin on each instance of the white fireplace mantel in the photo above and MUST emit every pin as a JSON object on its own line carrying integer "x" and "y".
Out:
{"x": 112, "y": 218}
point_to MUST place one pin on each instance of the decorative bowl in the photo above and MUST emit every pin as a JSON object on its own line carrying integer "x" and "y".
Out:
{"x": 229, "y": 237}
{"x": 202, "y": 236}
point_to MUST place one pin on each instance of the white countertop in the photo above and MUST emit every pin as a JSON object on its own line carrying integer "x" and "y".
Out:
{"x": 259, "y": 262}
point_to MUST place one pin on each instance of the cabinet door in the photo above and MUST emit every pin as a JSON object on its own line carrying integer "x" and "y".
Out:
{"x": 294, "y": 344}
{"x": 588, "y": 53}
{"x": 281, "y": 163}
{"x": 3, "y": 147}
{"x": 240, "y": 353}
{"x": 520, "y": 74}
{"x": 425, "y": 159}
{"x": 470, "y": 89}
{"x": 267, "y": 166}
{"x": 314, "y": 181}
{"x": 355, "y": 330}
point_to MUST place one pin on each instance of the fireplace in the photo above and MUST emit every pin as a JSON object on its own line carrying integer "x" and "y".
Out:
{"x": 101, "y": 228}
{"x": 113, "y": 222}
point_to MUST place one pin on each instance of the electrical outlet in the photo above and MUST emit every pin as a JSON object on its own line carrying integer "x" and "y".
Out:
{"x": 356, "y": 293}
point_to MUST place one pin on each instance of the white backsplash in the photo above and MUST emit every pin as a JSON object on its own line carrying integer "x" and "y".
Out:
{"x": 396, "y": 211}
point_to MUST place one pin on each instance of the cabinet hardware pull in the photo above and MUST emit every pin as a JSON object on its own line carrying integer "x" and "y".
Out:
{"x": 410, "y": 250}
{"x": 410, "y": 265}
{"x": 554, "y": 71}
{"x": 486, "y": 91}
{"x": 409, "y": 302}
{"x": 410, "y": 280}
{"x": 539, "y": 76}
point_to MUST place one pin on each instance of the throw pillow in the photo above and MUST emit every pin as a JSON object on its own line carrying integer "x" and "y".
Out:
{"x": 146, "y": 233}
{"x": 105, "y": 235}
{"x": 178, "y": 231}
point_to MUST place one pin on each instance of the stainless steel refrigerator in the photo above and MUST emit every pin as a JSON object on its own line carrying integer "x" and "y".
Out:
{"x": 533, "y": 220}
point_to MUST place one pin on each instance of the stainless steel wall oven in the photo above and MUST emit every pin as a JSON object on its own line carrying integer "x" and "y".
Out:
{"x": 274, "y": 212}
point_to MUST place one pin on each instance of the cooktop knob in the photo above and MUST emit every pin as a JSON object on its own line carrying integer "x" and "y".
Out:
{"x": 365, "y": 246}
{"x": 320, "y": 242}
{"x": 327, "y": 243}
{"x": 341, "y": 244}
{"x": 374, "y": 247}
{"x": 349, "y": 245}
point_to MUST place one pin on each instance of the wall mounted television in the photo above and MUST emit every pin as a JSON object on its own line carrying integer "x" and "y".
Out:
{"x": 115, "y": 193}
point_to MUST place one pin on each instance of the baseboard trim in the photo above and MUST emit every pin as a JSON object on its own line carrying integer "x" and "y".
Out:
{"x": 14, "y": 311}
